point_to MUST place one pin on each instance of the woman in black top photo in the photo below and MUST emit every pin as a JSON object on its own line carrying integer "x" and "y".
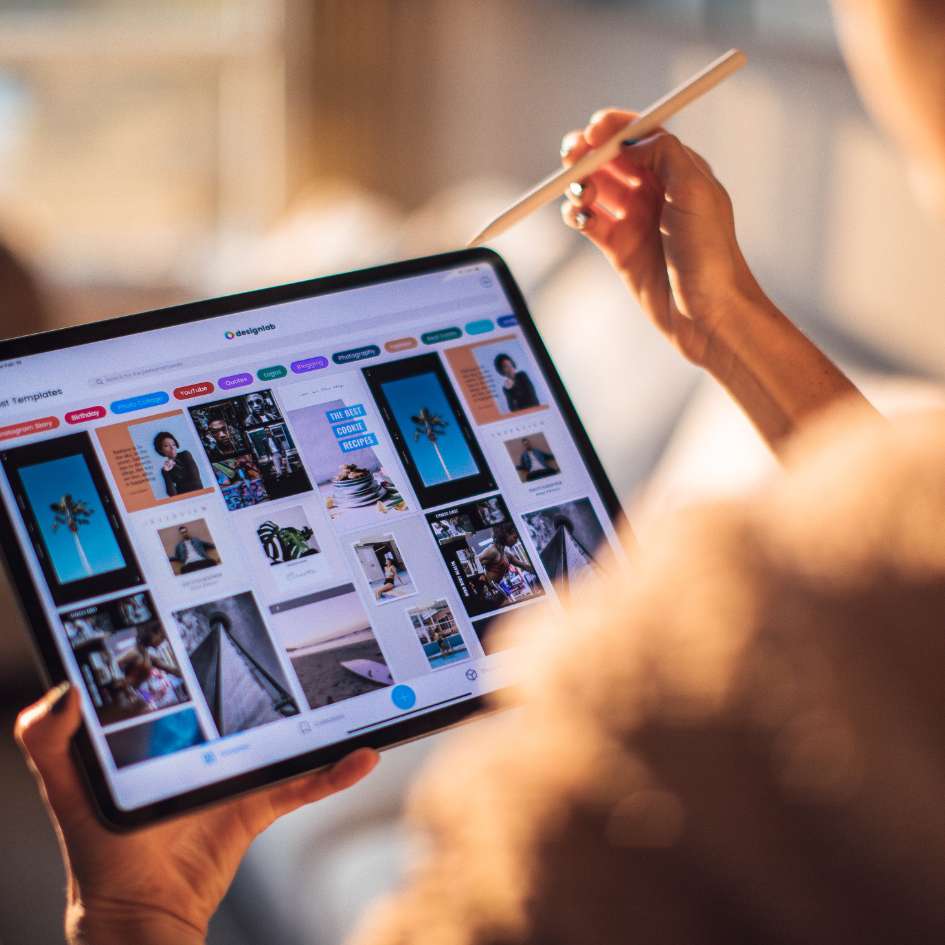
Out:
{"x": 179, "y": 468}
{"x": 519, "y": 390}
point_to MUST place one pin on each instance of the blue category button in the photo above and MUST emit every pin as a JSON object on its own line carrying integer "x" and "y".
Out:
{"x": 358, "y": 443}
{"x": 356, "y": 354}
{"x": 403, "y": 697}
{"x": 507, "y": 321}
{"x": 141, "y": 402}
{"x": 349, "y": 429}
{"x": 479, "y": 327}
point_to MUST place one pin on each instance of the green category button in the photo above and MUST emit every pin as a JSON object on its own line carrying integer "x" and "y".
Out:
{"x": 444, "y": 334}
{"x": 479, "y": 327}
{"x": 271, "y": 373}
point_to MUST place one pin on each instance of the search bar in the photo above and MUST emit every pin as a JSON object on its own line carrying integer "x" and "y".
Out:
{"x": 245, "y": 351}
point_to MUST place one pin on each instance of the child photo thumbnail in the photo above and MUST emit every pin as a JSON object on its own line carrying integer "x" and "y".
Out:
{"x": 125, "y": 658}
{"x": 248, "y": 444}
{"x": 438, "y": 633}
{"x": 333, "y": 650}
{"x": 567, "y": 537}
{"x": 532, "y": 457}
{"x": 429, "y": 429}
{"x": 485, "y": 555}
{"x": 155, "y": 460}
{"x": 352, "y": 482}
{"x": 162, "y": 736}
{"x": 71, "y": 517}
{"x": 235, "y": 663}
{"x": 498, "y": 378}
{"x": 286, "y": 535}
{"x": 384, "y": 569}
{"x": 189, "y": 547}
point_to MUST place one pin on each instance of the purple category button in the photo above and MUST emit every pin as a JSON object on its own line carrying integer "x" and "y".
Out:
{"x": 235, "y": 380}
{"x": 309, "y": 364}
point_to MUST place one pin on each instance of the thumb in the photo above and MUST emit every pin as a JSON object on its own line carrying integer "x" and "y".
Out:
{"x": 44, "y": 731}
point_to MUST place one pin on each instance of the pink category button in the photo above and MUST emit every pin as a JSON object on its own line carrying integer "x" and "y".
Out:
{"x": 29, "y": 427}
{"x": 84, "y": 415}
{"x": 400, "y": 344}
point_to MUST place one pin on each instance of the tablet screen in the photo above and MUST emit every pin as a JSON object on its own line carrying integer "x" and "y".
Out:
{"x": 260, "y": 533}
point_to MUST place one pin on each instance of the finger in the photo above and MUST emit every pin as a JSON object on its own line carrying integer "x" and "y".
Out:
{"x": 667, "y": 159}
{"x": 699, "y": 161}
{"x": 594, "y": 222}
{"x": 44, "y": 732}
{"x": 285, "y": 798}
{"x": 605, "y": 123}
{"x": 573, "y": 147}
{"x": 581, "y": 193}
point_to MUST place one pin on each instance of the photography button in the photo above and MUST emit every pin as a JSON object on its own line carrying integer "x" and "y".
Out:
{"x": 403, "y": 697}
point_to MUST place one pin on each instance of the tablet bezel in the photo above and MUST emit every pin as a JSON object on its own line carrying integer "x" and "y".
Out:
{"x": 42, "y": 632}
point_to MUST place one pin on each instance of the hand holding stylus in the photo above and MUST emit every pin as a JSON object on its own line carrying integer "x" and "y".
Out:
{"x": 666, "y": 225}
{"x": 160, "y": 884}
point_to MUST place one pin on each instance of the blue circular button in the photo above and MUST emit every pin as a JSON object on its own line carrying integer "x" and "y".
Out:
{"x": 403, "y": 697}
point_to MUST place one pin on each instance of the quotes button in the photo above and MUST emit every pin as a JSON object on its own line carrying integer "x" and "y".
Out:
{"x": 235, "y": 380}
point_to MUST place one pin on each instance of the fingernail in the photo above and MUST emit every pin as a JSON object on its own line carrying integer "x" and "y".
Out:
{"x": 581, "y": 219}
{"x": 567, "y": 144}
{"x": 576, "y": 188}
{"x": 57, "y": 697}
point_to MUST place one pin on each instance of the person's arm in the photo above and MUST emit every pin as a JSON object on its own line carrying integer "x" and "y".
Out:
{"x": 170, "y": 487}
{"x": 157, "y": 885}
{"x": 667, "y": 227}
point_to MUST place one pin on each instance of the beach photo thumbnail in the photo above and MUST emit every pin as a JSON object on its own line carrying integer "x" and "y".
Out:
{"x": 329, "y": 640}
{"x": 235, "y": 663}
{"x": 384, "y": 568}
{"x": 189, "y": 547}
{"x": 438, "y": 633}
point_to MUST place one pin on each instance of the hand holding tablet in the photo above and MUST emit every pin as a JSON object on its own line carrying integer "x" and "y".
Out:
{"x": 291, "y": 534}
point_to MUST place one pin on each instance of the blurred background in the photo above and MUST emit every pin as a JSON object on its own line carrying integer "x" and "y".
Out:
{"x": 154, "y": 153}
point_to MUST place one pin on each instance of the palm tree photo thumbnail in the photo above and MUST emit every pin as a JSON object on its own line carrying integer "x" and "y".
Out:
{"x": 431, "y": 426}
{"x": 72, "y": 514}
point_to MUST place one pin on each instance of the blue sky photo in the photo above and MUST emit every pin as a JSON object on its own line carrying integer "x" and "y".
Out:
{"x": 406, "y": 397}
{"x": 46, "y": 483}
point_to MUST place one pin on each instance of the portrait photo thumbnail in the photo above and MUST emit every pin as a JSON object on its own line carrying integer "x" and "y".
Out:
{"x": 532, "y": 457}
{"x": 155, "y": 460}
{"x": 498, "y": 379}
{"x": 189, "y": 547}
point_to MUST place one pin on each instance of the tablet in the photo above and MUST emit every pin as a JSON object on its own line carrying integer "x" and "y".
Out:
{"x": 260, "y": 531}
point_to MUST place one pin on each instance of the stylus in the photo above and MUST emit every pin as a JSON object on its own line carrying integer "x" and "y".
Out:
{"x": 644, "y": 124}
